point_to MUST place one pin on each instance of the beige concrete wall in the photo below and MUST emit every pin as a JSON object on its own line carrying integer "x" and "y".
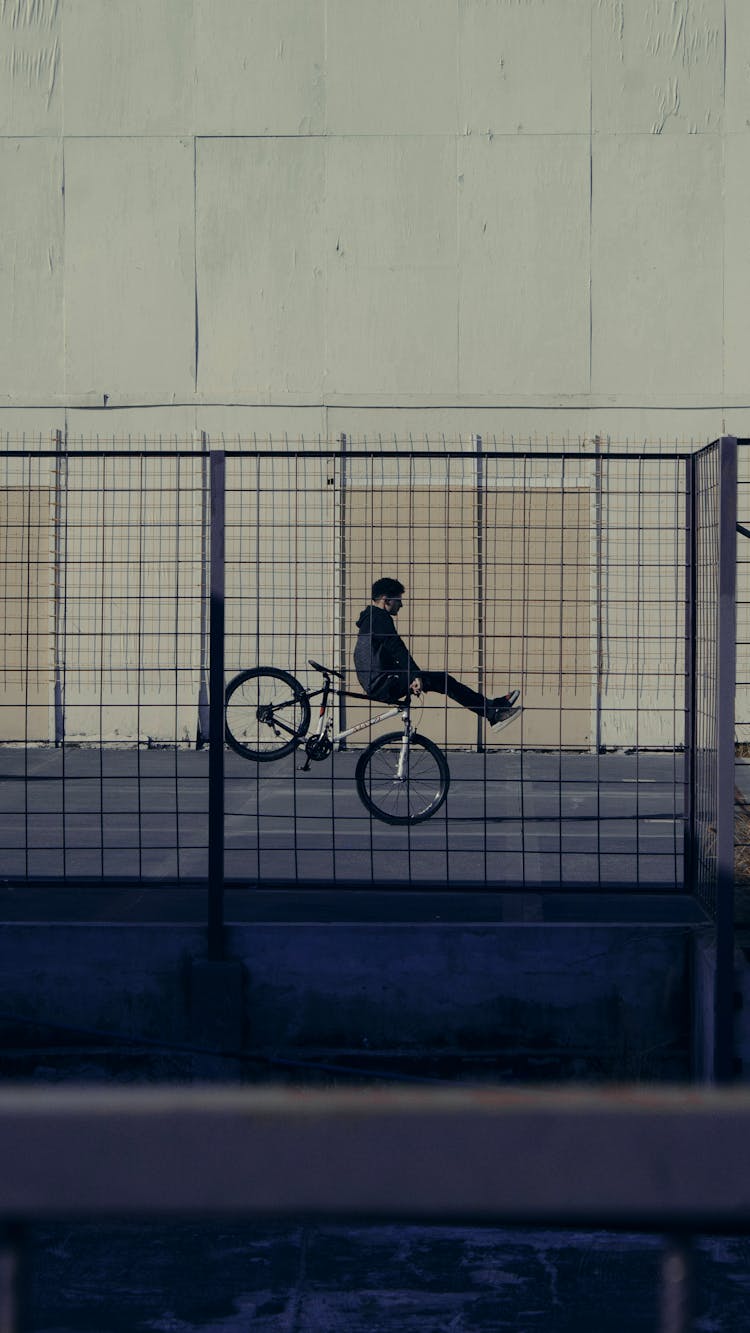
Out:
{"x": 307, "y": 216}
{"x": 498, "y": 594}
{"x": 641, "y": 565}
{"x": 122, "y": 554}
{"x": 282, "y": 567}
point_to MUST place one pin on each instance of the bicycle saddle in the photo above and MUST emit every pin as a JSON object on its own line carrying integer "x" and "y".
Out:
{"x": 326, "y": 671}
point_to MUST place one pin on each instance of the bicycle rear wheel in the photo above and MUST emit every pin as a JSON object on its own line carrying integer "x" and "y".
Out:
{"x": 415, "y": 795}
{"x": 267, "y": 713}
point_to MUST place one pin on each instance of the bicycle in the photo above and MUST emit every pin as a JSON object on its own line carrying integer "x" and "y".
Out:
{"x": 401, "y": 777}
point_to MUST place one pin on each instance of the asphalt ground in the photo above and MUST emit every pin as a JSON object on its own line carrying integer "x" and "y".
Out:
{"x": 511, "y": 820}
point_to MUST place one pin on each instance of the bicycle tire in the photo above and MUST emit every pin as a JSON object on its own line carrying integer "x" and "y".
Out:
{"x": 286, "y": 709}
{"x": 409, "y": 800}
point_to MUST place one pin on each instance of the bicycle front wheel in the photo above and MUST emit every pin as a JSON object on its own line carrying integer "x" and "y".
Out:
{"x": 408, "y": 796}
{"x": 267, "y": 713}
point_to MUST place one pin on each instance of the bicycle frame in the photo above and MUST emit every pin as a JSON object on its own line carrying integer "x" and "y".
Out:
{"x": 398, "y": 710}
{"x": 401, "y": 777}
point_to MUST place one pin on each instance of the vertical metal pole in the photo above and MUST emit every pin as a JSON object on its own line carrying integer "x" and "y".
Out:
{"x": 691, "y": 592}
{"x": 216, "y": 713}
{"x": 203, "y": 732}
{"x": 57, "y": 606}
{"x": 598, "y": 522}
{"x": 725, "y": 685}
{"x": 10, "y": 1284}
{"x": 480, "y": 582}
{"x": 342, "y": 586}
{"x": 676, "y": 1288}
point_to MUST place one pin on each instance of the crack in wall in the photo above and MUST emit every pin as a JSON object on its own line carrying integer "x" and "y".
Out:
{"x": 669, "y": 104}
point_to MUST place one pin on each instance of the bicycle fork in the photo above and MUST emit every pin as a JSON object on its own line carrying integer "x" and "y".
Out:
{"x": 402, "y": 767}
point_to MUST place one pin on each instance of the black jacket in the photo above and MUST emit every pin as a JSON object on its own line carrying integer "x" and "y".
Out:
{"x": 385, "y": 668}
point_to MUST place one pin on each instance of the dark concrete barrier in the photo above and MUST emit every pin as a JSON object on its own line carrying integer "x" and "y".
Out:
{"x": 538, "y": 1001}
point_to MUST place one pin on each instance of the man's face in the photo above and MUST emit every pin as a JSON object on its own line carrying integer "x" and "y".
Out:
{"x": 393, "y": 605}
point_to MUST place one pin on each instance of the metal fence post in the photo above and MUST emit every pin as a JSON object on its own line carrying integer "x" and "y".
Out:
{"x": 480, "y": 580}
{"x": 11, "y": 1247}
{"x": 216, "y": 712}
{"x": 725, "y": 688}
{"x": 676, "y": 1286}
{"x": 57, "y": 611}
{"x": 691, "y": 593}
{"x": 342, "y": 586}
{"x": 203, "y": 729}
{"x": 599, "y": 568}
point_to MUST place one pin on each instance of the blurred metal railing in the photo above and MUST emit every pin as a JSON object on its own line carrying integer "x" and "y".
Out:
{"x": 669, "y": 1161}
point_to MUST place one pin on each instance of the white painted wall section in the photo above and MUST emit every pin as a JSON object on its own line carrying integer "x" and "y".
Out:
{"x": 259, "y": 67}
{"x": 391, "y": 266}
{"x": 736, "y": 220}
{"x": 31, "y": 270}
{"x": 524, "y": 216}
{"x": 30, "y": 67}
{"x": 658, "y": 66}
{"x": 129, "y": 67}
{"x": 392, "y": 68}
{"x": 525, "y": 68}
{"x": 526, "y": 208}
{"x": 129, "y": 271}
{"x": 260, "y": 266}
{"x": 656, "y": 268}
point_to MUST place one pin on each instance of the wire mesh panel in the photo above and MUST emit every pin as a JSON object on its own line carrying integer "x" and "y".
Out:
{"x": 564, "y": 576}
{"x": 561, "y": 576}
{"x": 742, "y": 724}
{"x": 743, "y": 598}
{"x": 707, "y": 477}
{"x": 282, "y": 564}
{"x": 103, "y": 654}
{"x": 27, "y": 504}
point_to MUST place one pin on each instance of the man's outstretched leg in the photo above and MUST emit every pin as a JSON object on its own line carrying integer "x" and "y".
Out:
{"x": 494, "y": 710}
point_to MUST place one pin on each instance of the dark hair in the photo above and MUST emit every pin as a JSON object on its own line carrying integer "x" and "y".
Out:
{"x": 386, "y": 588}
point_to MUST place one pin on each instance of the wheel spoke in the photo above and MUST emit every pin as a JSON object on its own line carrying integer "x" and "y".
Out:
{"x": 266, "y": 714}
{"x": 410, "y": 798}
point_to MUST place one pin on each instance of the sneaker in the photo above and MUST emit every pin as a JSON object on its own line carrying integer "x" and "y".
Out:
{"x": 502, "y": 710}
{"x": 508, "y": 700}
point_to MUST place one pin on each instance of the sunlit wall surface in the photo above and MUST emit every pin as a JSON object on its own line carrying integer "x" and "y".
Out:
{"x": 309, "y": 216}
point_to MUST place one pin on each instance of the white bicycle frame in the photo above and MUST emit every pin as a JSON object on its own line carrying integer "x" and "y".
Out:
{"x": 324, "y": 724}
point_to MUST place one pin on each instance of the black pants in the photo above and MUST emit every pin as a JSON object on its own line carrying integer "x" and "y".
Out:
{"x": 439, "y": 682}
{"x": 392, "y": 687}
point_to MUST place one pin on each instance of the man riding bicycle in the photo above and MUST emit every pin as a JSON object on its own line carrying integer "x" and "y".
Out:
{"x": 387, "y": 671}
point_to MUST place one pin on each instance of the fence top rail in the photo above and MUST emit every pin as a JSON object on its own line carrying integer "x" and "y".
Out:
{"x": 64, "y": 452}
{"x": 407, "y": 452}
{"x": 641, "y": 1159}
{"x": 487, "y": 455}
